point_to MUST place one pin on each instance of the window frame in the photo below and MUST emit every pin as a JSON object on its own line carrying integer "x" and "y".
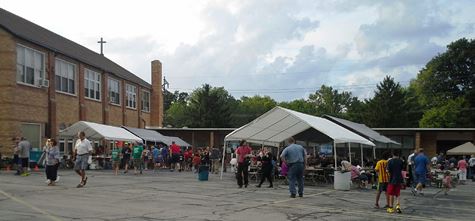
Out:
{"x": 142, "y": 101}
{"x": 131, "y": 93}
{"x": 87, "y": 80}
{"x": 75, "y": 76}
{"x": 109, "y": 79}
{"x": 41, "y": 75}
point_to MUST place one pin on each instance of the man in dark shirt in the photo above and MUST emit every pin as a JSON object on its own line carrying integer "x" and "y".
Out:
{"x": 395, "y": 166}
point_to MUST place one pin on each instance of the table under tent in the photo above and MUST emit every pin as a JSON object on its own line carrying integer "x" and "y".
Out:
{"x": 361, "y": 151}
{"x": 275, "y": 126}
{"x": 99, "y": 133}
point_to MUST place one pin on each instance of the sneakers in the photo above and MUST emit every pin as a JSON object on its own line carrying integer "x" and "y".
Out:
{"x": 57, "y": 179}
{"x": 398, "y": 209}
{"x": 300, "y": 195}
{"x": 292, "y": 195}
{"x": 25, "y": 174}
{"x": 390, "y": 210}
{"x": 414, "y": 191}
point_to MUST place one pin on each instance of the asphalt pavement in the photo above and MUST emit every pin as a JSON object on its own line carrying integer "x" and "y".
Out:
{"x": 180, "y": 196}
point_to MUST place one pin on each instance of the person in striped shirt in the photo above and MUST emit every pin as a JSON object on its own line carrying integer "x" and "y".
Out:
{"x": 383, "y": 178}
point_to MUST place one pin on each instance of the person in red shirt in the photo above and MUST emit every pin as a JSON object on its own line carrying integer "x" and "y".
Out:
{"x": 243, "y": 153}
{"x": 462, "y": 166}
{"x": 175, "y": 151}
{"x": 188, "y": 155}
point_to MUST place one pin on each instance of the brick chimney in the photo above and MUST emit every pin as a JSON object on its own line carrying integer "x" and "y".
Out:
{"x": 156, "y": 115}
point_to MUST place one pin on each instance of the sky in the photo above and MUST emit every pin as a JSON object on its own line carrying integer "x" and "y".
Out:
{"x": 283, "y": 49}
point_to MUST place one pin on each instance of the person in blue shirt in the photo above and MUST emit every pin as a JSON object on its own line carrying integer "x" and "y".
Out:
{"x": 295, "y": 157}
{"x": 156, "y": 160}
{"x": 164, "y": 151}
{"x": 421, "y": 168}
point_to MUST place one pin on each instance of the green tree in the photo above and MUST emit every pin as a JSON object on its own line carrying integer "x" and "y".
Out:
{"x": 329, "y": 101}
{"x": 448, "y": 76}
{"x": 210, "y": 107}
{"x": 300, "y": 105}
{"x": 443, "y": 116}
{"x": 387, "y": 108}
{"x": 249, "y": 108}
{"x": 177, "y": 115}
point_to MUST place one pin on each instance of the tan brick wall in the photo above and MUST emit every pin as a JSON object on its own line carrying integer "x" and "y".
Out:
{"x": 115, "y": 115}
{"x": 67, "y": 107}
{"x": 146, "y": 118}
{"x": 131, "y": 118}
{"x": 8, "y": 127}
{"x": 429, "y": 143}
{"x": 93, "y": 111}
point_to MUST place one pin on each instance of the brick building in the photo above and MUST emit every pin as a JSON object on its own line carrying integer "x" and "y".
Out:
{"x": 49, "y": 82}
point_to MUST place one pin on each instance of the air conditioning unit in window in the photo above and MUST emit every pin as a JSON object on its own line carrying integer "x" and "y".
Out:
{"x": 44, "y": 83}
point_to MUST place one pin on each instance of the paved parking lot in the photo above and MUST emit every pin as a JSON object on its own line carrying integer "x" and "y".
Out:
{"x": 180, "y": 196}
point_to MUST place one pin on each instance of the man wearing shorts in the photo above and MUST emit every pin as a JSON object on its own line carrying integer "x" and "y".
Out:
{"x": 82, "y": 150}
{"x": 421, "y": 168}
{"x": 115, "y": 157}
{"x": 395, "y": 167}
{"x": 383, "y": 179}
{"x": 175, "y": 150}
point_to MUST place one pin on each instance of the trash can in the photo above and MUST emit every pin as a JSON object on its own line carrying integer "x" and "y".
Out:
{"x": 342, "y": 180}
{"x": 203, "y": 172}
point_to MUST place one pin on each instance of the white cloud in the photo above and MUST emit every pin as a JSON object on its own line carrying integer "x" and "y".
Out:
{"x": 282, "y": 48}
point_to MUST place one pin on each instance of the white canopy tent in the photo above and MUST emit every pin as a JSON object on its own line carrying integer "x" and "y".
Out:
{"x": 278, "y": 124}
{"x": 464, "y": 149}
{"x": 97, "y": 131}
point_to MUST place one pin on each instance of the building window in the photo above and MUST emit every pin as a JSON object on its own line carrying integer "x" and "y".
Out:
{"x": 32, "y": 133}
{"x": 131, "y": 94}
{"x": 146, "y": 101}
{"x": 65, "y": 76}
{"x": 114, "y": 91}
{"x": 30, "y": 65}
{"x": 92, "y": 84}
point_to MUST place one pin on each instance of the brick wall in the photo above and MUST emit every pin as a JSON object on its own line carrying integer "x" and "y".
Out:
{"x": 7, "y": 84}
{"x": 429, "y": 143}
{"x": 67, "y": 107}
{"x": 131, "y": 118}
{"x": 115, "y": 115}
{"x": 146, "y": 118}
{"x": 93, "y": 110}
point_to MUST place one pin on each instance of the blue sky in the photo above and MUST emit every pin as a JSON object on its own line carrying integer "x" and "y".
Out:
{"x": 284, "y": 49}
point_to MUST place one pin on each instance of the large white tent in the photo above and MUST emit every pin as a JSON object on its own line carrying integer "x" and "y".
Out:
{"x": 278, "y": 124}
{"x": 275, "y": 126}
{"x": 464, "y": 149}
{"x": 95, "y": 131}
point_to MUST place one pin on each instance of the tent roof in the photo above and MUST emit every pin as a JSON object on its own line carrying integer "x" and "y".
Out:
{"x": 362, "y": 130}
{"x": 179, "y": 141}
{"x": 149, "y": 135}
{"x": 99, "y": 131}
{"x": 278, "y": 124}
{"x": 464, "y": 149}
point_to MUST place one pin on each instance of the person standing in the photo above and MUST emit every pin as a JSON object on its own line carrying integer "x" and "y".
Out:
{"x": 395, "y": 167}
{"x": 52, "y": 161}
{"x": 24, "y": 147}
{"x": 16, "y": 158}
{"x": 137, "y": 154}
{"x": 214, "y": 157}
{"x": 115, "y": 157}
{"x": 411, "y": 182}
{"x": 383, "y": 179}
{"x": 175, "y": 151}
{"x": 462, "y": 167}
{"x": 471, "y": 163}
{"x": 243, "y": 153}
{"x": 421, "y": 168}
{"x": 266, "y": 168}
{"x": 82, "y": 150}
{"x": 126, "y": 152}
{"x": 164, "y": 152}
{"x": 294, "y": 156}
{"x": 146, "y": 157}
{"x": 156, "y": 158}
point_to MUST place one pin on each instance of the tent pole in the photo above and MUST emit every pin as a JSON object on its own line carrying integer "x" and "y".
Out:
{"x": 222, "y": 162}
{"x": 374, "y": 152}
{"x": 361, "y": 148}
{"x": 334, "y": 153}
{"x": 349, "y": 151}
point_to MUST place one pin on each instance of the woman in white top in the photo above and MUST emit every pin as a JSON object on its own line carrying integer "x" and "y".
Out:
{"x": 52, "y": 161}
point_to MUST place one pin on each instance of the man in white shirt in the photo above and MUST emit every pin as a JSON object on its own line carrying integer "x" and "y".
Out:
{"x": 82, "y": 150}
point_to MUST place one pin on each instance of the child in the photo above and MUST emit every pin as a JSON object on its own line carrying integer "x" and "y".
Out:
{"x": 447, "y": 182}
{"x": 383, "y": 179}
{"x": 196, "y": 162}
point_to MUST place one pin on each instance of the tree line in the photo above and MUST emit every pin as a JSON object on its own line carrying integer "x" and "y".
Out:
{"x": 441, "y": 95}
